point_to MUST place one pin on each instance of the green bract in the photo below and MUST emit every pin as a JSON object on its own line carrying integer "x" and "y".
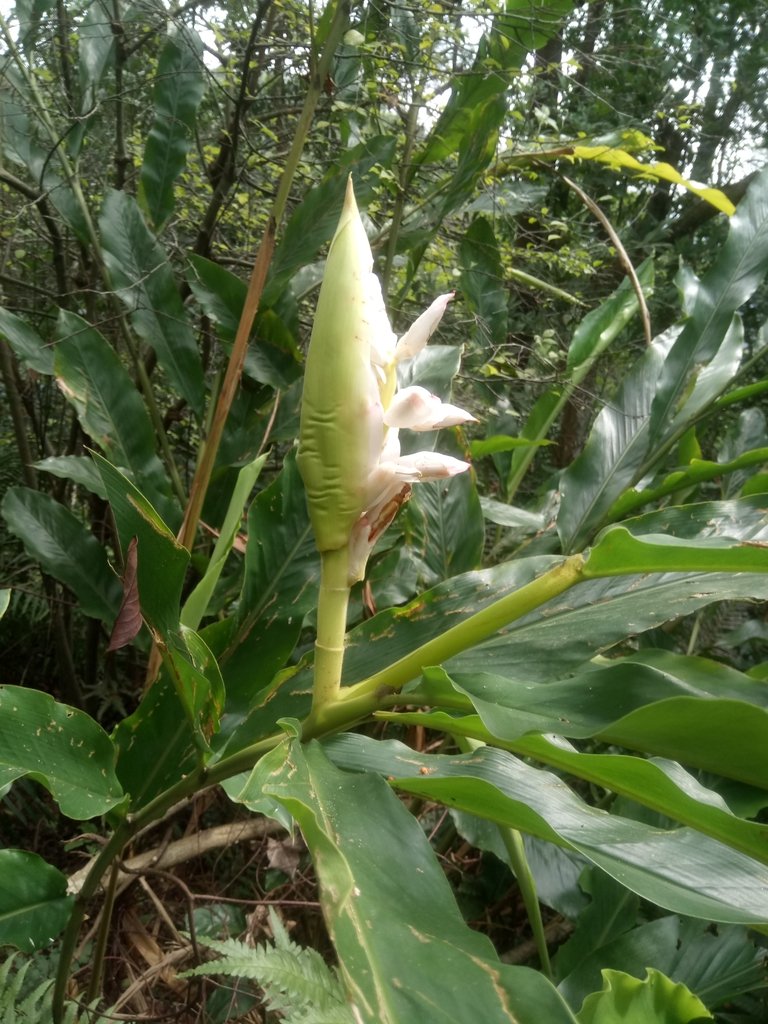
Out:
{"x": 334, "y": 452}
{"x": 349, "y": 451}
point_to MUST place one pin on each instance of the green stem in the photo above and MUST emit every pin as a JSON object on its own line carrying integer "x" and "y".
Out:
{"x": 518, "y": 861}
{"x": 331, "y": 626}
{"x": 473, "y": 630}
{"x": 513, "y": 841}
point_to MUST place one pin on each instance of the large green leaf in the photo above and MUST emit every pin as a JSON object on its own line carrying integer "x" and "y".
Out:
{"x": 177, "y": 95}
{"x": 145, "y": 282}
{"x": 405, "y": 952}
{"x": 679, "y": 869}
{"x": 739, "y": 269}
{"x": 34, "y": 905}
{"x": 65, "y": 549}
{"x": 614, "y": 452}
{"x": 689, "y": 709}
{"x": 109, "y": 407}
{"x": 662, "y": 785}
{"x": 60, "y": 747}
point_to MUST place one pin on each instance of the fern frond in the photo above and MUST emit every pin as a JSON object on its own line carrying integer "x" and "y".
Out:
{"x": 35, "y": 1006}
{"x": 296, "y": 982}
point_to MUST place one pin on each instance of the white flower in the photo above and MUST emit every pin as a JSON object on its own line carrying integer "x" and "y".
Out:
{"x": 349, "y": 448}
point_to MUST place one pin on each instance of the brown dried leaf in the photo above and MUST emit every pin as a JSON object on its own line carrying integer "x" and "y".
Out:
{"x": 284, "y": 854}
{"x": 128, "y": 621}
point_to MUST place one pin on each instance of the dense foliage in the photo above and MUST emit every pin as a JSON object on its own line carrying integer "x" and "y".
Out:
{"x": 555, "y": 663}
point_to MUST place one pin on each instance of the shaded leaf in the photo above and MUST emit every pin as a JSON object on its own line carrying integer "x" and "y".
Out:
{"x": 108, "y": 406}
{"x": 29, "y": 347}
{"x": 177, "y": 94}
{"x": 65, "y": 549}
{"x": 157, "y": 745}
{"x": 144, "y": 281}
{"x": 717, "y": 966}
{"x": 34, "y": 905}
{"x": 162, "y": 561}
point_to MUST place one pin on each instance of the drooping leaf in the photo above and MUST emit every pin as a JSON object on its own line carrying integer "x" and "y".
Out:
{"x": 177, "y": 94}
{"x": 145, "y": 282}
{"x": 34, "y": 905}
{"x": 65, "y": 549}
{"x": 78, "y": 468}
{"x": 619, "y": 159}
{"x": 60, "y": 747}
{"x": 404, "y": 949}
{"x": 679, "y": 869}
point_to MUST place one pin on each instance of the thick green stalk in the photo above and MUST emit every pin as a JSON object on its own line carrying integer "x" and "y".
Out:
{"x": 331, "y": 626}
{"x": 472, "y": 631}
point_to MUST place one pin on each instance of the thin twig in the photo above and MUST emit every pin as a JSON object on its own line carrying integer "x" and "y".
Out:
{"x": 624, "y": 259}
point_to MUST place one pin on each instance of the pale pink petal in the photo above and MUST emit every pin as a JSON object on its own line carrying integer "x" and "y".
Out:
{"x": 418, "y": 334}
{"x": 433, "y": 465}
{"x": 412, "y": 407}
{"x": 417, "y": 409}
{"x": 452, "y": 416}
